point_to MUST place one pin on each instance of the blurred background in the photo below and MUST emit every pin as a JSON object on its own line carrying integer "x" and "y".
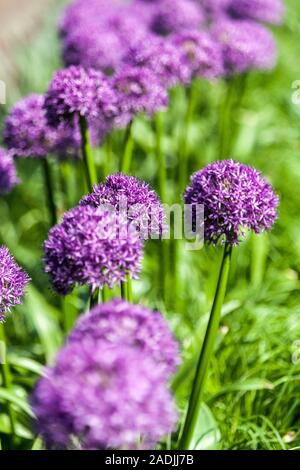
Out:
{"x": 253, "y": 390}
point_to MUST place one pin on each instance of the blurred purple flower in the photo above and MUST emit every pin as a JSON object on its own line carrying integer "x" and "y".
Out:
{"x": 142, "y": 204}
{"x": 91, "y": 247}
{"x": 99, "y": 396}
{"x": 267, "y": 11}
{"x": 13, "y": 281}
{"x": 119, "y": 322}
{"x": 246, "y": 45}
{"x": 27, "y": 133}
{"x": 138, "y": 90}
{"x": 172, "y": 16}
{"x": 236, "y": 197}
{"x": 200, "y": 54}
{"x": 8, "y": 174}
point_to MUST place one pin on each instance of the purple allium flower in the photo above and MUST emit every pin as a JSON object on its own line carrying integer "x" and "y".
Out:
{"x": 99, "y": 396}
{"x": 13, "y": 281}
{"x": 138, "y": 90}
{"x": 91, "y": 246}
{"x": 134, "y": 198}
{"x": 214, "y": 8}
{"x": 119, "y": 322}
{"x": 172, "y": 16}
{"x": 27, "y": 133}
{"x": 76, "y": 91}
{"x": 200, "y": 54}
{"x": 236, "y": 197}
{"x": 161, "y": 57}
{"x": 8, "y": 174}
{"x": 246, "y": 45}
{"x": 267, "y": 11}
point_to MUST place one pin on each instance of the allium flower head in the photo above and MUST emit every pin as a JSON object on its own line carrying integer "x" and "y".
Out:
{"x": 161, "y": 57}
{"x": 200, "y": 54}
{"x": 268, "y": 11}
{"x": 172, "y": 16}
{"x": 99, "y": 396}
{"x": 91, "y": 246}
{"x": 8, "y": 175}
{"x": 27, "y": 133}
{"x": 138, "y": 90}
{"x": 119, "y": 322}
{"x": 246, "y": 45}
{"x": 133, "y": 198}
{"x": 13, "y": 281}
{"x": 76, "y": 91}
{"x": 236, "y": 197}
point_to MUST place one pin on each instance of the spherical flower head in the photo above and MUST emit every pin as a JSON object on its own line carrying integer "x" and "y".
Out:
{"x": 27, "y": 133}
{"x": 200, "y": 54}
{"x": 214, "y": 8}
{"x": 162, "y": 57}
{"x": 132, "y": 198}
{"x": 8, "y": 174}
{"x": 94, "y": 247}
{"x": 246, "y": 45}
{"x": 172, "y": 16}
{"x": 119, "y": 322}
{"x": 267, "y": 11}
{"x": 138, "y": 90}
{"x": 236, "y": 197}
{"x": 100, "y": 396}
{"x": 75, "y": 91}
{"x": 13, "y": 281}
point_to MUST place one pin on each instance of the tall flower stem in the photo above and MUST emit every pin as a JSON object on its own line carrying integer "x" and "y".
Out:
{"x": 183, "y": 150}
{"x": 194, "y": 407}
{"x": 6, "y": 379}
{"x": 162, "y": 182}
{"x": 124, "y": 290}
{"x": 87, "y": 154}
{"x": 129, "y": 289}
{"x": 50, "y": 191}
{"x": 128, "y": 149}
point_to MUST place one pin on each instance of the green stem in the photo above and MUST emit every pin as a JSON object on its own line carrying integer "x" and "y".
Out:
{"x": 105, "y": 294}
{"x": 124, "y": 290}
{"x": 195, "y": 402}
{"x": 7, "y": 380}
{"x": 183, "y": 151}
{"x": 87, "y": 154}
{"x": 129, "y": 289}
{"x": 128, "y": 149}
{"x": 162, "y": 180}
{"x": 50, "y": 191}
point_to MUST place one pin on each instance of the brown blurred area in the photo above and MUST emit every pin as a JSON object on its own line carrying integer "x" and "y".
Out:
{"x": 19, "y": 21}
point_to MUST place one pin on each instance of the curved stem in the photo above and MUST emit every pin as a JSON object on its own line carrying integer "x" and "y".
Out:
{"x": 50, "y": 191}
{"x": 6, "y": 379}
{"x": 195, "y": 402}
{"x": 128, "y": 149}
{"x": 87, "y": 154}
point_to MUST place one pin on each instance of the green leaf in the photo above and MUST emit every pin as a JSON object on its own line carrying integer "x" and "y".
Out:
{"x": 11, "y": 397}
{"x": 44, "y": 318}
{"x": 27, "y": 364}
{"x": 38, "y": 444}
{"x": 246, "y": 386}
{"x": 207, "y": 434}
{"x": 21, "y": 431}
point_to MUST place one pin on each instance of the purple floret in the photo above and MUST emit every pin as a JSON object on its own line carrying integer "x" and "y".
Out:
{"x": 13, "y": 281}
{"x": 100, "y": 396}
{"x": 78, "y": 92}
{"x": 119, "y": 322}
{"x": 138, "y": 90}
{"x": 27, "y": 133}
{"x": 171, "y": 16}
{"x": 8, "y": 174}
{"x": 135, "y": 198}
{"x": 246, "y": 45}
{"x": 92, "y": 247}
{"x": 236, "y": 197}
{"x": 200, "y": 54}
